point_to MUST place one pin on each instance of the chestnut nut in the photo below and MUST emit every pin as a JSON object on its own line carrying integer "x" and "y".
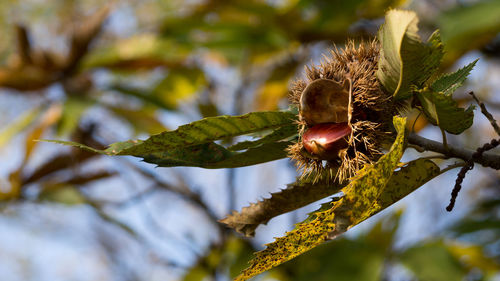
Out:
{"x": 325, "y": 101}
{"x": 326, "y": 140}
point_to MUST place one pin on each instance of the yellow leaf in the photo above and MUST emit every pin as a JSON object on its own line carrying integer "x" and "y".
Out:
{"x": 360, "y": 195}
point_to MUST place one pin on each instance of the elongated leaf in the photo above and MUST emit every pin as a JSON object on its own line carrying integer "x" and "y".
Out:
{"x": 208, "y": 130}
{"x": 441, "y": 110}
{"x": 355, "y": 206}
{"x": 193, "y": 144}
{"x": 404, "y": 181}
{"x": 78, "y": 145}
{"x": 295, "y": 196}
{"x": 448, "y": 83}
{"x": 199, "y": 132}
{"x": 207, "y": 155}
{"x": 404, "y": 59}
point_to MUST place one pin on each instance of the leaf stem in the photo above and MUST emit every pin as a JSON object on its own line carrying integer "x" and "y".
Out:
{"x": 445, "y": 142}
{"x": 439, "y": 156}
{"x": 452, "y": 166}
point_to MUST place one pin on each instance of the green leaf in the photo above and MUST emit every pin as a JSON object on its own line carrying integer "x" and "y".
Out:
{"x": 255, "y": 155}
{"x": 405, "y": 60}
{"x": 448, "y": 83}
{"x": 207, "y": 130}
{"x": 75, "y": 144}
{"x": 214, "y": 156}
{"x": 441, "y": 110}
{"x": 354, "y": 207}
{"x": 193, "y": 144}
{"x": 279, "y": 134}
{"x": 207, "y": 155}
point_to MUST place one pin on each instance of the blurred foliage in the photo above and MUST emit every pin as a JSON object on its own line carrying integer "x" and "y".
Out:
{"x": 474, "y": 23}
{"x": 145, "y": 63}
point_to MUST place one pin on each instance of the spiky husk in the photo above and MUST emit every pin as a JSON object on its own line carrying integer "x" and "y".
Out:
{"x": 372, "y": 113}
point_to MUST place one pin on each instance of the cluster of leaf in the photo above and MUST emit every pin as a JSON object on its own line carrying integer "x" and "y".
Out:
{"x": 250, "y": 36}
{"x": 359, "y": 202}
{"x": 245, "y": 34}
{"x": 407, "y": 68}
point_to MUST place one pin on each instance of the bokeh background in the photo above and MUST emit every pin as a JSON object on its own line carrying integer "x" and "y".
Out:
{"x": 100, "y": 73}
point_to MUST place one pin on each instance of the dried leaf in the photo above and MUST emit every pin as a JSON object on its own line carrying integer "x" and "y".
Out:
{"x": 296, "y": 195}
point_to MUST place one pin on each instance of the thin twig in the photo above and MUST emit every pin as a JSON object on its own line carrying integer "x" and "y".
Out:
{"x": 486, "y": 160}
{"x": 486, "y": 113}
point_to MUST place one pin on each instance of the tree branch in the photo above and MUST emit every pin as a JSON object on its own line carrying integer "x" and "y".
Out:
{"x": 487, "y": 159}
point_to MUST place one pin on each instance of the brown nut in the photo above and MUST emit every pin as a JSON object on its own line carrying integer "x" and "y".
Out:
{"x": 324, "y": 101}
{"x": 325, "y": 141}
